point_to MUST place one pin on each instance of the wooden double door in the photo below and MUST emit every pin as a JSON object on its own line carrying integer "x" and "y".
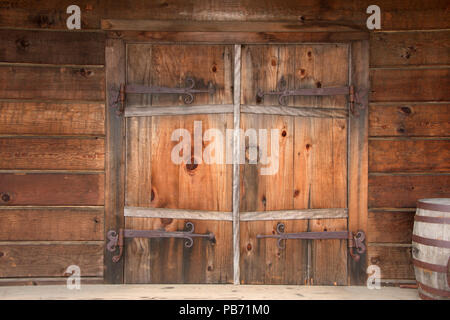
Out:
{"x": 293, "y": 156}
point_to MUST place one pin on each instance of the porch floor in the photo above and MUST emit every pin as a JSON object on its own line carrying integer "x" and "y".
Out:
{"x": 206, "y": 292}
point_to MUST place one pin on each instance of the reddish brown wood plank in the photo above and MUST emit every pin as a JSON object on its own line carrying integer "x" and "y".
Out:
{"x": 409, "y": 155}
{"x": 49, "y": 118}
{"x": 51, "y": 224}
{"x": 64, "y": 83}
{"x": 409, "y": 48}
{"x": 410, "y": 84}
{"x": 52, "y": 189}
{"x": 394, "y": 262}
{"x": 409, "y": 120}
{"x": 52, "y": 153}
{"x": 49, "y": 260}
{"x": 390, "y": 226}
{"x": 399, "y": 14}
{"x": 52, "y": 47}
{"x": 403, "y": 191}
{"x": 239, "y": 37}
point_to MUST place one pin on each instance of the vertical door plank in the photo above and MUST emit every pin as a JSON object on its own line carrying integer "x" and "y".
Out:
{"x": 115, "y": 180}
{"x": 358, "y": 157}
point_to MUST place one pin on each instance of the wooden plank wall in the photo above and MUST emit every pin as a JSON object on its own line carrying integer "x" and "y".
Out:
{"x": 52, "y": 155}
{"x": 52, "y": 128}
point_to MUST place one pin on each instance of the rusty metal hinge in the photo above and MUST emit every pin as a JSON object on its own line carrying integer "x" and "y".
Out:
{"x": 283, "y": 93}
{"x": 117, "y": 99}
{"x": 355, "y": 241}
{"x": 117, "y": 240}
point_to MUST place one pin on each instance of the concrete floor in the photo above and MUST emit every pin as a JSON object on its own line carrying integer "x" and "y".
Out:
{"x": 205, "y": 292}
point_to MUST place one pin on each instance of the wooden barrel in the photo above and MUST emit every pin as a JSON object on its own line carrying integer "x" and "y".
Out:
{"x": 431, "y": 248}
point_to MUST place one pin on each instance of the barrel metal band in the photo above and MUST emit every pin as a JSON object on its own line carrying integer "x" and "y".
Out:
{"x": 433, "y": 206}
{"x": 439, "y": 220}
{"x": 437, "y": 292}
{"x": 431, "y": 242}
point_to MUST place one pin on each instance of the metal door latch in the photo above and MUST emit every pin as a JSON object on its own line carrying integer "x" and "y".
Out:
{"x": 117, "y": 240}
{"x": 355, "y": 241}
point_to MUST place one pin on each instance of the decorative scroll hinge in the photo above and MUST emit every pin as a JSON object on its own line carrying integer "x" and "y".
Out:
{"x": 355, "y": 241}
{"x": 283, "y": 93}
{"x": 117, "y": 240}
{"x": 188, "y": 92}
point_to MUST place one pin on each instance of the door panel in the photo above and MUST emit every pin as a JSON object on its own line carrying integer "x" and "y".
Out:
{"x": 153, "y": 180}
{"x": 312, "y": 170}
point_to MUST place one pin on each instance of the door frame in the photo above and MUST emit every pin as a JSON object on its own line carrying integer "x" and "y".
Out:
{"x": 121, "y": 32}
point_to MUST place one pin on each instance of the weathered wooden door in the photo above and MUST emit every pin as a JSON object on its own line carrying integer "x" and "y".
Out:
{"x": 311, "y": 166}
{"x": 292, "y": 163}
{"x": 153, "y": 180}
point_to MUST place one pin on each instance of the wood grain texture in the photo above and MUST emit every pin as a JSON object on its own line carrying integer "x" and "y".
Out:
{"x": 295, "y": 111}
{"x": 8, "y": 282}
{"x": 409, "y": 48}
{"x": 239, "y": 37}
{"x": 115, "y": 53}
{"x": 155, "y": 181}
{"x": 410, "y": 84}
{"x": 167, "y": 111}
{"x": 215, "y": 26}
{"x": 409, "y": 155}
{"x": 394, "y": 262}
{"x": 299, "y": 67}
{"x": 52, "y": 47}
{"x": 237, "y": 87}
{"x": 358, "y": 157}
{"x": 398, "y": 15}
{"x": 50, "y": 118}
{"x": 50, "y": 260}
{"x": 51, "y": 224}
{"x": 390, "y": 226}
{"x": 320, "y": 181}
{"x": 169, "y": 261}
{"x": 53, "y": 154}
{"x": 53, "y": 189}
{"x": 403, "y": 191}
{"x": 63, "y": 83}
{"x": 409, "y": 120}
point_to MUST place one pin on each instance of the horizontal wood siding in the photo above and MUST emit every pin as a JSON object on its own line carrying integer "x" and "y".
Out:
{"x": 394, "y": 262}
{"x": 409, "y": 155}
{"x": 49, "y": 189}
{"x": 49, "y": 260}
{"x": 410, "y": 84}
{"x": 50, "y": 223}
{"x": 52, "y": 153}
{"x": 59, "y": 83}
{"x": 397, "y": 15}
{"x": 409, "y": 120}
{"x": 52, "y": 47}
{"x": 51, "y": 118}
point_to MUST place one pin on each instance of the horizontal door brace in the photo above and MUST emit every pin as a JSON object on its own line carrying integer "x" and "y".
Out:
{"x": 355, "y": 241}
{"x": 117, "y": 240}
